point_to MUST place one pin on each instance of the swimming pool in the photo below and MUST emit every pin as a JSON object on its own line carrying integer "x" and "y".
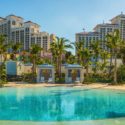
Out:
{"x": 60, "y": 104}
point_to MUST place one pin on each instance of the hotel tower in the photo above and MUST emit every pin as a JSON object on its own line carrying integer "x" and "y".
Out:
{"x": 27, "y": 33}
{"x": 101, "y": 30}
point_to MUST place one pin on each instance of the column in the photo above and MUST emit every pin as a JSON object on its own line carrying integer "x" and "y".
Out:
{"x": 38, "y": 72}
{"x": 81, "y": 75}
{"x": 66, "y": 76}
{"x": 53, "y": 75}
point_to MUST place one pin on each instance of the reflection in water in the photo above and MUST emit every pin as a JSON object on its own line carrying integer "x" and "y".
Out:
{"x": 55, "y": 104}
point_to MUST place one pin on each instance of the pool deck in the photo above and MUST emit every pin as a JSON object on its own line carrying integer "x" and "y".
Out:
{"x": 117, "y": 121}
{"x": 88, "y": 86}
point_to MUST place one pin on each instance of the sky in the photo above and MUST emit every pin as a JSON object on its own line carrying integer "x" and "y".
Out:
{"x": 64, "y": 17}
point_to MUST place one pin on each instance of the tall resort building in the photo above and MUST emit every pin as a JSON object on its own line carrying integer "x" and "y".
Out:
{"x": 101, "y": 30}
{"x": 26, "y": 33}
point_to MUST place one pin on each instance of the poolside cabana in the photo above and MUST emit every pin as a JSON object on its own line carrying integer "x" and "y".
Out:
{"x": 74, "y": 73}
{"x": 45, "y": 73}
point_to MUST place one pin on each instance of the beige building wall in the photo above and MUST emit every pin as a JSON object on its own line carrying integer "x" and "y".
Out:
{"x": 22, "y": 32}
{"x": 27, "y": 68}
{"x": 52, "y": 38}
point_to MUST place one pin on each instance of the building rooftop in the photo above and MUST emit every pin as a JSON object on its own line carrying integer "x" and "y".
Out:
{"x": 45, "y": 66}
{"x": 120, "y": 15}
{"x": 28, "y": 64}
{"x": 1, "y": 18}
{"x": 87, "y": 33}
{"x": 32, "y": 23}
{"x": 73, "y": 66}
{"x": 15, "y": 16}
{"x": 104, "y": 25}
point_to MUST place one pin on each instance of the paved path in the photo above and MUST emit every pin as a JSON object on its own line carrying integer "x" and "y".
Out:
{"x": 119, "y": 121}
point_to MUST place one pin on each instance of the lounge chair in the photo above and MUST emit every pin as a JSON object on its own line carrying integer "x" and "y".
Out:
{"x": 77, "y": 80}
{"x": 50, "y": 80}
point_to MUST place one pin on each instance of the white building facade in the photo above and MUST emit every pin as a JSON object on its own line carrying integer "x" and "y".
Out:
{"x": 101, "y": 30}
{"x": 26, "y": 33}
{"x": 88, "y": 37}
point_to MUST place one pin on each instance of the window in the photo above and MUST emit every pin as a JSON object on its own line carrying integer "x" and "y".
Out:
{"x": 32, "y": 29}
{"x": 13, "y": 23}
{"x": 21, "y": 24}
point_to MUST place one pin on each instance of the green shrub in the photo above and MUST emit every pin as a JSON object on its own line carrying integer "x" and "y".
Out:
{"x": 60, "y": 80}
{"x": 13, "y": 78}
{"x": 3, "y": 76}
{"x": 91, "y": 78}
{"x": 29, "y": 77}
{"x": 121, "y": 74}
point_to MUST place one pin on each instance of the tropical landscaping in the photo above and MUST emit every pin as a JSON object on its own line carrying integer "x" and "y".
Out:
{"x": 100, "y": 59}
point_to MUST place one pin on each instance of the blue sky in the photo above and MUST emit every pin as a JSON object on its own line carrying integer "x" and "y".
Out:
{"x": 64, "y": 17}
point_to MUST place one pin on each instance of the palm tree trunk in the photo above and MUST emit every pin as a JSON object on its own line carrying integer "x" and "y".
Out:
{"x": 5, "y": 57}
{"x": 115, "y": 69}
{"x": 87, "y": 70}
{"x": 56, "y": 63}
{"x": 59, "y": 66}
{"x": 110, "y": 70}
{"x": 14, "y": 55}
{"x": 0, "y": 65}
{"x": 34, "y": 70}
{"x": 0, "y": 57}
{"x": 96, "y": 60}
{"x": 123, "y": 59}
{"x": 34, "y": 66}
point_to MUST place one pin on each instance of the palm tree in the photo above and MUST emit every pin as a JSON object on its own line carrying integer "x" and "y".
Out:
{"x": 34, "y": 54}
{"x": 3, "y": 48}
{"x": 3, "y": 53}
{"x": 2, "y": 39}
{"x": 109, "y": 46}
{"x": 15, "y": 48}
{"x": 58, "y": 48}
{"x": 104, "y": 56}
{"x": 53, "y": 50}
{"x": 122, "y": 53}
{"x": 24, "y": 56}
{"x": 70, "y": 58}
{"x": 67, "y": 56}
{"x": 63, "y": 45}
{"x": 79, "y": 46}
{"x": 87, "y": 54}
{"x": 83, "y": 55}
{"x": 115, "y": 42}
{"x": 96, "y": 50}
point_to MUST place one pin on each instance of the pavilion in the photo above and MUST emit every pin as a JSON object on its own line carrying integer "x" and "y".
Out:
{"x": 74, "y": 73}
{"x": 45, "y": 73}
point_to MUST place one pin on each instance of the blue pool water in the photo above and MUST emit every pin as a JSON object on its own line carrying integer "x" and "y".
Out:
{"x": 60, "y": 104}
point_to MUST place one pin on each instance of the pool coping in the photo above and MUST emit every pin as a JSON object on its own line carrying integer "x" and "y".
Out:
{"x": 87, "y": 86}
{"x": 115, "y": 121}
